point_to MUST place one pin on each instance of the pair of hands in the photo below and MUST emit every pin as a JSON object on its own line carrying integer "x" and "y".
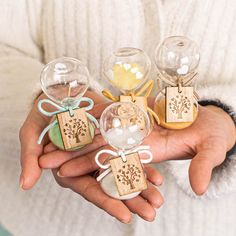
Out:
{"x": 206, "y": 142}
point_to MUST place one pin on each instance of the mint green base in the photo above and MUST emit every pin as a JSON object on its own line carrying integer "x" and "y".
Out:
{"x": 56, "y": 138}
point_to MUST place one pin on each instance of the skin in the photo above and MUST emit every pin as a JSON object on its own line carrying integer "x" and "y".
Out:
{"x": 205, "y": 142}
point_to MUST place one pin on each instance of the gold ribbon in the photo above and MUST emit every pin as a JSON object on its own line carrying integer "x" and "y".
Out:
{"x": 144, "y": 91}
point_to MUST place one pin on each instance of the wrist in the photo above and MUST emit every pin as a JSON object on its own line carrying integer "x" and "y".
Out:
{"x": 227, "y": 123}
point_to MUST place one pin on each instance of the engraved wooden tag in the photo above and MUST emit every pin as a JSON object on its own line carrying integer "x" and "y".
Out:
{"x": 140, "y": 102}
{"x": 129, "y": 175}
{"x": 179, "y": 105}
{"x": 75, "y": 130}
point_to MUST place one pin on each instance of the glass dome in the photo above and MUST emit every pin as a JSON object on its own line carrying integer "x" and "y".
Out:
{"x": 65, "y": 80}
{"x": 124, "y": 125}
{"x": 127, "y": 68}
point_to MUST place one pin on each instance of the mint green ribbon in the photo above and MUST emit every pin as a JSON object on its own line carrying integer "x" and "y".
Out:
{"x": 64, "y": 109}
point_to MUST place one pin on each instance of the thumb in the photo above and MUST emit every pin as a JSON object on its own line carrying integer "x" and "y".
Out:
{"x": 201, "y": 166}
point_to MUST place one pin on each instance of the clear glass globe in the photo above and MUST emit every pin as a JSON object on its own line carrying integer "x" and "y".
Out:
{"x": 177, "y": 56}
{"x": 124, "y": 125}
{"x": 127, "y": 68}
{"x": 65, "y": 80}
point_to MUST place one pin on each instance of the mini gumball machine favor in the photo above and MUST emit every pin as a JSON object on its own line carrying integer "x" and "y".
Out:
{"x": 65, "y": 81}
{"x": 177, "y": 59}
{"x": 124, "y": 126}
{"x": 127, "y": 69}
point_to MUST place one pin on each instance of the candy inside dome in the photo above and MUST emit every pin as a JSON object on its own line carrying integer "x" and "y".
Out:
{"x": 177, "y": 56}
{"x": 127, "y": 68}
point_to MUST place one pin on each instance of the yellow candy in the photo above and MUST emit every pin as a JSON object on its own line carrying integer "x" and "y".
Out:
{"x": 127, "y": 76}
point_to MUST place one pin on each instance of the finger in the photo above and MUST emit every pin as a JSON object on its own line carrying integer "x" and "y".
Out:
{"x": 141, "y": 207}
{"x": 56, "y": 158}
{"x": 98, "y": 109}
{"x": 153, "y": 196}
{"x": 81, "y": 165}
{"x": 49, "y": 148}
{"x": 97, "y": 98}
{"x": 90, "y": 189}
{"x": 210, "y": 155}
{"x": 30, "y": 152}
{"x": 153, "y": 175}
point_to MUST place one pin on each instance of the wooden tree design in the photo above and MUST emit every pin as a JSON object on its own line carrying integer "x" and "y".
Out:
{"x": 75, "y": 128}
{"x": 129, "y": 174}
{"x": 179, "y": 105}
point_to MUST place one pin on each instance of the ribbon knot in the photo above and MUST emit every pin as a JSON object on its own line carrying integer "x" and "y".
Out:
{"x": 122, "y": 154}
{"x": 64, "y": 109}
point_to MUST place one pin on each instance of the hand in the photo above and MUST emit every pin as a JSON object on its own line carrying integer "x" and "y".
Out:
{"x": 144, "y": 205}
{"x": 30, "y": 150}
{"x": 206, "y": 141}
{"x": 76, "y": 176}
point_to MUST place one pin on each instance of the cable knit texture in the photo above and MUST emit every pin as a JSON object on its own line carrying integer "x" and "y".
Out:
{"x": 35, "y": 32}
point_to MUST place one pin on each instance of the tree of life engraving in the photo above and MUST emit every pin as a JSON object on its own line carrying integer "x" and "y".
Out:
{"x": 75, "y": 128}
{"x": 128, "y": 175}
{"x": 179, "y": 105}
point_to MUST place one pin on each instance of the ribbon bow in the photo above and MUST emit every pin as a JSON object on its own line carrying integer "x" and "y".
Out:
{"x": 145, "y": 89}
{"x": 63, "y": 109}
{"x": 122, "y": 154}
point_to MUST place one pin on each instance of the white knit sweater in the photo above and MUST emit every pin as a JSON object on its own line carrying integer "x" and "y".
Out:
{"x": 35, "y": 32}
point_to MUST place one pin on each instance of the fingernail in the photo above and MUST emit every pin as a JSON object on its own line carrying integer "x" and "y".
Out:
{"x": 59, "y": 174}
{"x": 125, "y": 221}
{"x": 21, "y": 182}
{"x": 158, "y": 182}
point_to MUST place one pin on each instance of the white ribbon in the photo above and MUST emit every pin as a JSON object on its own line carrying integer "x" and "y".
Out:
{"x": 122, "y": 154}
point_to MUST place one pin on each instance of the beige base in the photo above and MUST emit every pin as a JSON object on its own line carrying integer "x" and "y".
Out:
{"x": 160, "y": 110}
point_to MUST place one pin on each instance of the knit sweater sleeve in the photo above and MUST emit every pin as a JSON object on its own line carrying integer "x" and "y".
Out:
{"x": 20, "y": 65}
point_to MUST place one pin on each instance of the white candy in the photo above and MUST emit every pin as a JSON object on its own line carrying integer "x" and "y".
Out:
{"x": 183, "y": 70}
{"x": 133, "y": 128}
{"x": 134, "y": 70}
{"x": 184, "y": 60}
{"x": 131, "y": 141}
{"x": 118, "y": 131}
{"x": 116, "y": 123}
{"x": 73, "y": 84}
{"x": 171, "y": 55}
{"x": 139, "y": 75}
{"x": 127, "y": 66}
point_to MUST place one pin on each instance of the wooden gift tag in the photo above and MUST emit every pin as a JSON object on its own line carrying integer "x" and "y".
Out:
{"x": 129, "y": 175}
{"x": 75, "y": 130}
{"x": 140, "y": 102}
{"x": 179, "y": 105}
